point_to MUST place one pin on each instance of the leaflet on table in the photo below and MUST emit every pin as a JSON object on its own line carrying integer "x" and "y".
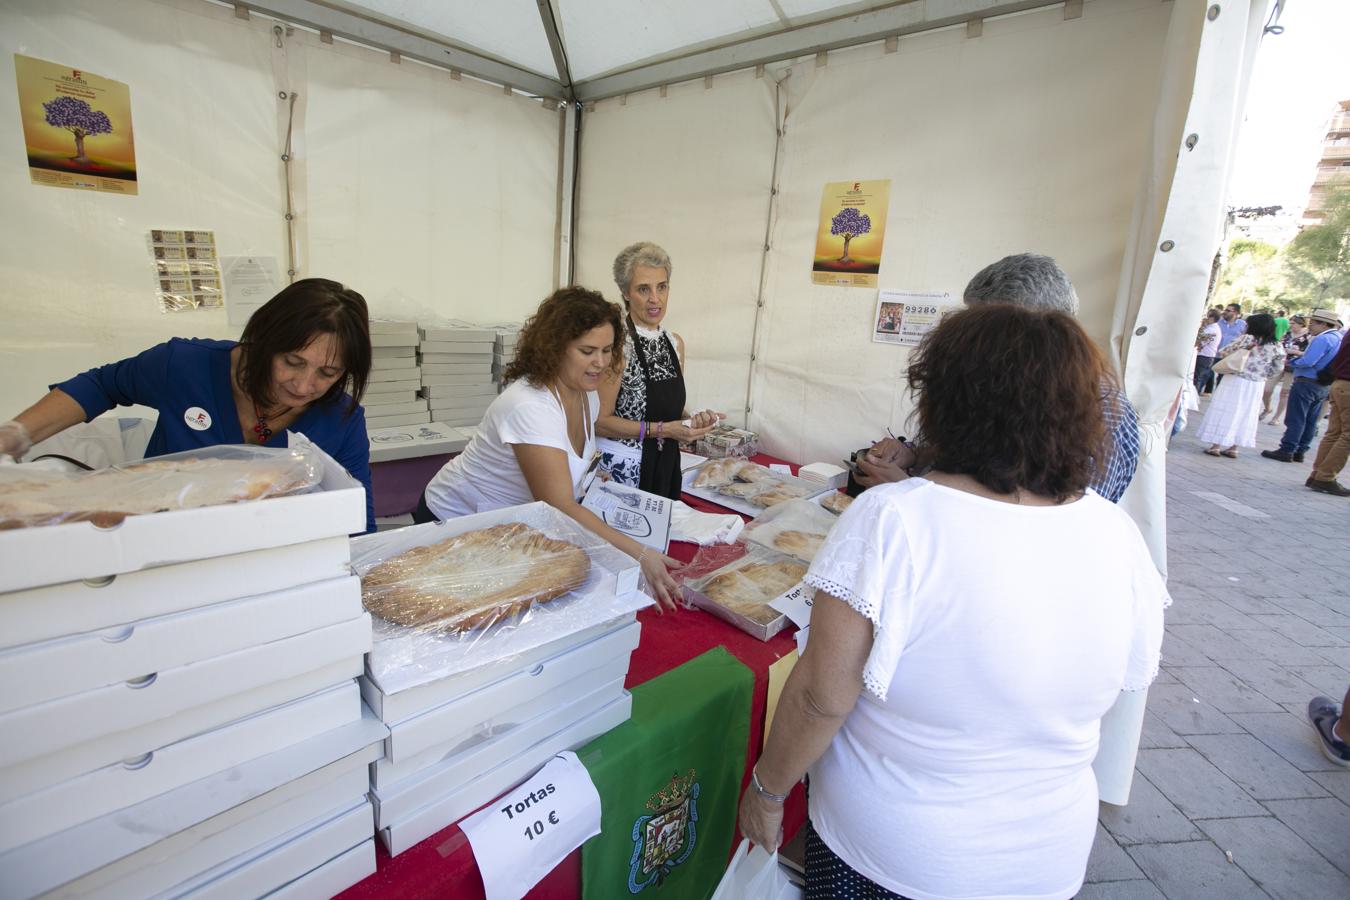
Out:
{"x": 520, "y": 838}
{"x": 642, "y": 516}
{"x": 797, "y": 528}
{"x": 451, "y": 596}
{"x": 737, "y": 583}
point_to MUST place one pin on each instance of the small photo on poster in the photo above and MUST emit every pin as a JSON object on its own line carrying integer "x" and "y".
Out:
{"x": 890, "y": 316}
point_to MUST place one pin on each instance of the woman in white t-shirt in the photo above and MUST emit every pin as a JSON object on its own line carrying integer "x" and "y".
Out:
{"x": 970, "y": 629}
{"x": 537, "y": 439}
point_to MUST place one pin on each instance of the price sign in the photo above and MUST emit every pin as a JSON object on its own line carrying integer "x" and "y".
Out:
{"x": 796, "y": 604}
{"x": 521, "y": 837}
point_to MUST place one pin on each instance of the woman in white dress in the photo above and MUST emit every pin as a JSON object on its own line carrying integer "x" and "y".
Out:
{"x": 537, "y": 439}
{"x": 1230, "y": 422}
{"x": 970, "y": 628}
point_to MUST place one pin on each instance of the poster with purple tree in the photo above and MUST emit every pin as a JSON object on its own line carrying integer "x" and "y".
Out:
{"x": 76, "y": 127}
{"x": 850, "y": 234}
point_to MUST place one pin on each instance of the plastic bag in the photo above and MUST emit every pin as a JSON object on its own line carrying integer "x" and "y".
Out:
{"x": 455, "y": 595}
{"x": 210, "y": 476}
{"x": 797, "y": 528}
{"x": 746, "y": 486}
{"x": 755, "y": 875}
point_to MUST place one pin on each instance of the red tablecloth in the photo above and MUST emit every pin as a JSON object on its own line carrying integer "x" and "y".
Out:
{"x": 443, "y": 865}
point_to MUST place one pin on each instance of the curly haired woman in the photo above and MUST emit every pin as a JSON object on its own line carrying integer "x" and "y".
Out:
{"x": 537, "y": 439}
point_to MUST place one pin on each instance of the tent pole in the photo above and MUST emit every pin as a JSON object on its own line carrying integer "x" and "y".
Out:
{"x": 779, "y": 126}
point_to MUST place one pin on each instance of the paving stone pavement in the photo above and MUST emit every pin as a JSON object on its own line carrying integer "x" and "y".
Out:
{"x": 1232, "y": 796}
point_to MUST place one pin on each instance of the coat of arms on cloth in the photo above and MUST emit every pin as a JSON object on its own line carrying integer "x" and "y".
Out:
{"x": 665, "y": 837}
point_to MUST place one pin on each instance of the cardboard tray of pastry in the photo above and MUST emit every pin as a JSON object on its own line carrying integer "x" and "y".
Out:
{"x": 451, "y": 596}
{"x": 739, "y": 592}
{"x": 746, "y": 487}
{"x": 797, "y": 528}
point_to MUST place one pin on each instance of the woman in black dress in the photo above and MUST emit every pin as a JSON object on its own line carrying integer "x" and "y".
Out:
{"x": 643, "y": 418}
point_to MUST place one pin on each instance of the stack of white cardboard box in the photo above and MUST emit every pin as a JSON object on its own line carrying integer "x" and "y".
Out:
{"x": 503, "y": 350}
{"x": 392, "y": 399}
{"x": 471, "y": 716}
{"x": 180, "y": 715}
{"x": 457, "y": 372}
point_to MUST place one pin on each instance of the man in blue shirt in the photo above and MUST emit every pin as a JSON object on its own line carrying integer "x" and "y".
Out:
{"x": 1306, "y": 396}
{"x": 1231, "y": 325}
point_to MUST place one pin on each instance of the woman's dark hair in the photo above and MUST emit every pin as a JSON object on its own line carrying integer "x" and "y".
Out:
{"x": 564, "y": 316}
{"x": 1212, "y": 316}
{"x": 1013, "y": 397}
{"x": 288, "y": 322}
{"x": 1261, "y": 327}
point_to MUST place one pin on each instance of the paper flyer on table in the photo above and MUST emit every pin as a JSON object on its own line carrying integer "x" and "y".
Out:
{"x": 904, "y": 317}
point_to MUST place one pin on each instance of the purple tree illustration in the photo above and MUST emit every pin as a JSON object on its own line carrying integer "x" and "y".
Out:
{"x": 850, "y": 223}
{"x": 76, "y": 117}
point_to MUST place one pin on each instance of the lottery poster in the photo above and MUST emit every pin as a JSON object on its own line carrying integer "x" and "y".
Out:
{"x": 187, "y": 270}
{"x": 904, "y": 317}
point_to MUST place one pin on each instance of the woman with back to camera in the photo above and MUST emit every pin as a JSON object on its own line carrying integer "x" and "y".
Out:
{"x": 537, "y": 439}
{"x": 1230, "y": 422}
{"x": 970, "y": 628}
{"x": 301, "y": 364}
{"x": 642, "y": 410}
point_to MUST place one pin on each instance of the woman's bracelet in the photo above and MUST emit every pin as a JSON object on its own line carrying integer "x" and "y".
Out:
{"x": 763, "y": 791}
{"x": 642, "y": 432}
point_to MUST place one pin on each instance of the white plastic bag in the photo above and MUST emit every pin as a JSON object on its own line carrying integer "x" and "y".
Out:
{"x": 755, "y": 875}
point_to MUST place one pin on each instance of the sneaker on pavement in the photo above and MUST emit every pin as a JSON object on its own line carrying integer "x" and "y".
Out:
{"x": 1332, "y": 487}
{"x": 1278, "y": 454}
{"x": 1323, "y": 714}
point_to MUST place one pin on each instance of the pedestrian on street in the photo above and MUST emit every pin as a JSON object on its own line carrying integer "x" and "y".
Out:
{"x": 1306, "y": 395}
{"x": 1334, "y": 449}
{"x": 1206, "y": 349}
{"x": 1230, "y": 421}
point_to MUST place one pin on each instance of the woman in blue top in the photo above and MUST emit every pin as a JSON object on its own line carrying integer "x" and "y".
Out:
{"x": 301, "y": 364}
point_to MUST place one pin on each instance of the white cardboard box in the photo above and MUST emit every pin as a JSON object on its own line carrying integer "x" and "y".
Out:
{"x": 475, "y": 377}
{"x": 52, "y": 861}
{"x": 443, "y": 811}
{"x": 417, "y": 700}
{"x": 232, "y": 834}
{"x": 377, "y": 399}
{"x": 394, "y": 326}
{"x": 393, "y": 340}
{"x": 56, "y": 668}
{"x": 483, "y": 346}
{"x": 54, "y": 554}
{"x": 333, "y": 877}
{"x": 404, "y": 658}
{"x": 438, "y": 359}
{"x": 434, "y": 332}
{"x": 512, "y": 699}
{"x": 406, "y": 352}
{"x": 82, "y": 717}
{"x": 132, "y": 743}
{"x": 42, "y": 613}
{"x": 412, "y": 441}
{"x": 460, "y": 390}
{"x": 393, "y": 379}
{"x": 376, "y": 410}
{"x": 275, "y": 864}
{"x": 455, "y": 369}
{"x": 388, "y": 363}
{"x": 398, "y": 799}
{"x": 468, "y": 404}
{"x": 378, "y": 423}
{"x": 124, "y": 784}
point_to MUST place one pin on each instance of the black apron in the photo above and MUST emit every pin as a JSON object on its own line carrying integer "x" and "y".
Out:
{"x": 665, "y": 403}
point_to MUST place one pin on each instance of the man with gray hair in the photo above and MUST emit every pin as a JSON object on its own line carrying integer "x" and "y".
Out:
{"x": 1037, "y": 282}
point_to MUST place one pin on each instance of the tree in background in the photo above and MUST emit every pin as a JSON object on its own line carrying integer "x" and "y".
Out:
{"x": 76, "y": 117}
{"x": 1317, "y": 260}
{"x": 850, "y": 223}
{"x": 1252, "y": 276}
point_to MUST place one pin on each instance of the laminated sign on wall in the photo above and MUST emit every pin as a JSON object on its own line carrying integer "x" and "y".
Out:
{"x": 904, "y": 317}
{"x": 851, "y": 231}
{"x": 76, "y": 127}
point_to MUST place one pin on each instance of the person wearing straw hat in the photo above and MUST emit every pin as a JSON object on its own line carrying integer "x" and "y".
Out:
{"x": 1306, "y": 395}
{"x": 1334, "y": 450}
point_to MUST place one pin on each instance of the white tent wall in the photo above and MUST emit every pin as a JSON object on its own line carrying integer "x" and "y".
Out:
{"x": 690, "y": 171}
{"x": 426, "y": 193}
{"x": 1028, "y": 137}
